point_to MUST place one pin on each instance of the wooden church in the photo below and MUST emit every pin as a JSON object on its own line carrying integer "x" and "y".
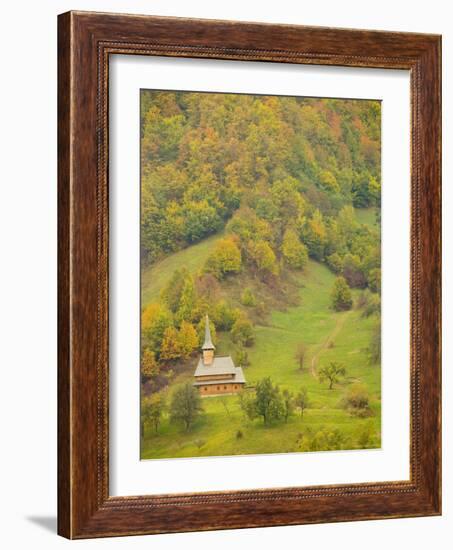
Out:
{"x": 216, "y": 375}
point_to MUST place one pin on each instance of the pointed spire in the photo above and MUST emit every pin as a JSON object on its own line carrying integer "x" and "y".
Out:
{"x": 207, "y": 336}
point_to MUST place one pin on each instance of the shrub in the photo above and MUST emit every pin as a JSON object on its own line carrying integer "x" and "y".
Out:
{"x": 372, "y": 305}
{"x": 366, "y": 438}
{"x": 248, "y": 298}
{"x": 224, "y": 315}
{"x": 335, "y": 262}
{"x": 242, "y": 332}
{"x": 374, "y": 348}
{"x": 242, "y": 358}
{"x": 353, "y": 271}
{"x": 341, "y": 295}
{"x": 357, "y": 401}
{"x": 324, "y": 440}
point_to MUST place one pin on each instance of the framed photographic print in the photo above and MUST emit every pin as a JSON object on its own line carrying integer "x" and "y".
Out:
{"x": 249, "y": 275}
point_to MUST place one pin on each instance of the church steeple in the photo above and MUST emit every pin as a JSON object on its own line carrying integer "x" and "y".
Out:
{"x": 208, "y": 347}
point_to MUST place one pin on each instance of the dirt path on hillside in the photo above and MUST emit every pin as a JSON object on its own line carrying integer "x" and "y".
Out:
{"x": 330, "y": 338}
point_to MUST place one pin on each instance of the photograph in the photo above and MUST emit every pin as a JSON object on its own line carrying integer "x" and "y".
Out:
{"x": 224, "y": 295}
{"x": 260, "y": 250}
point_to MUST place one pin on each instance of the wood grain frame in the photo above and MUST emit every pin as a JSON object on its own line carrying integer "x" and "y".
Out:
{"x": 85, "y": 42}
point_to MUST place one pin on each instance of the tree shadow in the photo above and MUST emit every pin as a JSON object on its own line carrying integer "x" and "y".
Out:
{"x": 49, "y": 523}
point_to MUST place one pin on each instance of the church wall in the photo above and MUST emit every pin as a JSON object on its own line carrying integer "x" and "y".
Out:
{"x": 218, "y": 389}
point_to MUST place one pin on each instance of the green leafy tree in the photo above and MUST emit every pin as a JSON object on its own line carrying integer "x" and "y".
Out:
{"x": 247, "y": 226}
{"x": 341, "y": 295}
{"x": 347, "y": 223}
{"x": 288, "y": 203}
{"x": 329, "y": 182}
{"x": 152, "y": 411}
{"x": 314, "y": 235}
{"x": 199, "y": 220}
{"x": 362, "y": 198}
{"x": 171, "y": 294}
{"x": 294, "y": 252}
{"x": 332, "y": 373}
{"x": 185, "y": 405}
{"x": 374, "y": 279}
{"x": 374, "y": 191}
{"x": 288, "y": 404}
{"x": 335, "y": 262}
{"x": 262, "y": 257}
{"x": 247, "y": 404}
{"x": 269, "y": 402}
{"x": 188, "y": 301}
{"x": 225, "y": 258}
{"x": 243, "y": 332}
{"x": 224, "y": 315}
{"x": 301, "y": 401}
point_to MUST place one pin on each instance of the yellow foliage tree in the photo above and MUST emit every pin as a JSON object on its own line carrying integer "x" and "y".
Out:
{"x": 225, "y": 259}
{"x": 171, "y": 348}
{"x": 188, "y": 339}
{"x": 150, "y": 366}
{"x": 294, "y": 252}
{"x": 155, "y": 320}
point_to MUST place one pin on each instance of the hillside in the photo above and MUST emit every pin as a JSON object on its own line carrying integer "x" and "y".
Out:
{"x": 327, "y": 334}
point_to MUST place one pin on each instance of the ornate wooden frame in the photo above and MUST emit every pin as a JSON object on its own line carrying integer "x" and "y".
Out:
{"x": 85, "y": 42}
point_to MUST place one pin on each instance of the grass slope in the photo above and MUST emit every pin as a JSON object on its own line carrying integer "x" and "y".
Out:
{"x": 329, "y": 335}
{"x": 367, "y": 216}
{"x": 192, "y": 258}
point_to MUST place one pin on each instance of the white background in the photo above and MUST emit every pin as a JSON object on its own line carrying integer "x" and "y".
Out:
{"x": 129, "y": 476}
{"x": 28, "y": 272}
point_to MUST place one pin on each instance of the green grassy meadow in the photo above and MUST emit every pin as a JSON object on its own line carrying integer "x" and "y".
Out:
{"x": 192, "y": 258}
{"x": 328, "y": 335}
{"x": 366, "y": 216}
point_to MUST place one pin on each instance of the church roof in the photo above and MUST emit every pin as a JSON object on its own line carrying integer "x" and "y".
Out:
{"x": 238, "y": 378}
{"x": 207, "y": 336}
{"x": 220, "y": 365}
